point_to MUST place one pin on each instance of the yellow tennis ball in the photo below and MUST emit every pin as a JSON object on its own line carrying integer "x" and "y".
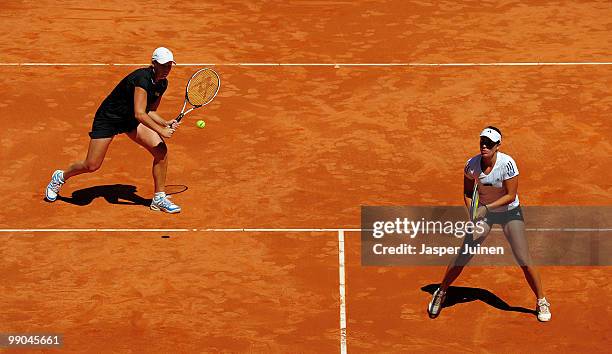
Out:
{"x": 201, "y": 124}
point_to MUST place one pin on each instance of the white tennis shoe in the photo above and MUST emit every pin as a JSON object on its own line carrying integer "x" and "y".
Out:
{"x": 543, "y": 309}
{"x": 435, "y": 305}
{"x": 163, "y": 203}
{"x": 53, "y": 188}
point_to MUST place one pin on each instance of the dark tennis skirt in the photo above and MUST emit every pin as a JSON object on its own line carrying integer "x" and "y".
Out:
{"x": 105, "y": 127}
{"x": 504, "y": 217}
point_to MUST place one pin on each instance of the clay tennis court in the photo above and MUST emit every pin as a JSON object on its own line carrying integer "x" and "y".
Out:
{"x": 271, "y": 189}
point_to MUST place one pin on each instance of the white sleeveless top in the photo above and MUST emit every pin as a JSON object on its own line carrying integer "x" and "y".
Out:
{"x": 490, "y": 186}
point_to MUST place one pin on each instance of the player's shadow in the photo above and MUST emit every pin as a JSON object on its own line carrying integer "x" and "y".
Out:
{"x": 113, "y": 193}
{"x": 460, "y": 294}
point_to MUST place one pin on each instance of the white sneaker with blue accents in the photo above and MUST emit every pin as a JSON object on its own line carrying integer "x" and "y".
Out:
{"x": 543, "y": 310}
{"x": 162, "y": 202}
{"x": 436, "y": 303}
{"x": 53, "y": 188}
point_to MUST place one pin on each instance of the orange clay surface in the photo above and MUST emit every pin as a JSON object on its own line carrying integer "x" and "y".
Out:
{"x": 288, "y": 147}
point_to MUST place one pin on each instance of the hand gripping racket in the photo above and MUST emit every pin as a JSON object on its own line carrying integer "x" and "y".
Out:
{"x": 201, "y": 89}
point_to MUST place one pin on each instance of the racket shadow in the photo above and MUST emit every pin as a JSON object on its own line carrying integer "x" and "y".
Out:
{"x": 460, "y": 294}
{"x": 113, "y": 193}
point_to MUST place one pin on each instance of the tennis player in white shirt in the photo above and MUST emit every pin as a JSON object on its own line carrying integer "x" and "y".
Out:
{"x": 497, "y": 176}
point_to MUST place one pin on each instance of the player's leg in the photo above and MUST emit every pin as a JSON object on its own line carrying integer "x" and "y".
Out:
{"x": 95, "y": 156}
{"x": 453, "y": 271}
{"x": 151, "y": 141}
{"x": 514, "y": 231}
{"x": 455, "y": 268}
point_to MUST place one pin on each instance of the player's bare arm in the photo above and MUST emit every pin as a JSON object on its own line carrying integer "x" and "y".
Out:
{"x": 511, "y": 186}
{"x": 154, "y": 122}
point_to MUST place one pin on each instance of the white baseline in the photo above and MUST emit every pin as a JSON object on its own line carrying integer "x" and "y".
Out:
{"x": 334, "y": 65}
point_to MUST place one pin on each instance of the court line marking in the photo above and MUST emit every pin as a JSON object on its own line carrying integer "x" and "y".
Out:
{"x": 342, "y": 283}
{"x": 465, "y": 64}
{"x": 344, "y": 230}
{"x": 179, "y": 230}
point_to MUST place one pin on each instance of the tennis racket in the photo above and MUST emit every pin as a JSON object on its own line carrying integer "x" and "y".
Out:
{"x": 201, "y": 89}
{"x": 474, "y": 203}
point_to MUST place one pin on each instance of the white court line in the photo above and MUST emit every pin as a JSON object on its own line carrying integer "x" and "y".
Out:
{"x": 97, "y": 230}
{"x": 466, "y": 64}
{"x": 342, "y": 283}
{"x": 91, "y": 230}
{"x": 279, "y": 230}
{"x": 408, "y": 64}
{"x": 576, "y": 229}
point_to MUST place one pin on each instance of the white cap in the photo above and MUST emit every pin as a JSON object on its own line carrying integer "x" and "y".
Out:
{"x": 162, "y": 55}
{"x": 491, "y": 134}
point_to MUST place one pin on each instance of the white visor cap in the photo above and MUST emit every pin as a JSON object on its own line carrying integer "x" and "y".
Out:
{"x": 491, "y": 134}
{"x": 162, "y": 55}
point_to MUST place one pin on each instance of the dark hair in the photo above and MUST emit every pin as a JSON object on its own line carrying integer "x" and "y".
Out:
{"x": 494, "y": 128}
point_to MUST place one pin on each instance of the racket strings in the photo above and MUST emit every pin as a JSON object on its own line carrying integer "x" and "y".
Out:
{"x": 202, "y": 87}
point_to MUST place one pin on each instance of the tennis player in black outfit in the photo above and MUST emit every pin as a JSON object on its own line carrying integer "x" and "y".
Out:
{"x": 131, "y": 108}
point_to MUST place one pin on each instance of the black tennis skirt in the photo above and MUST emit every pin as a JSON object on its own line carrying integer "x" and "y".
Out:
{"x": 106, "y": 127}
{"x": 501, "y": 218}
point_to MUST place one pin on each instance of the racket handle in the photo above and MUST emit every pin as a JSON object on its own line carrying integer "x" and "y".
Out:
{"x": 180, "y": 116}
